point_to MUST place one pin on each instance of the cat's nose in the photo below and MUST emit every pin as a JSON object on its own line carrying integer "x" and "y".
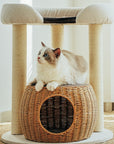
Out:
{"x": 38, "y": 58}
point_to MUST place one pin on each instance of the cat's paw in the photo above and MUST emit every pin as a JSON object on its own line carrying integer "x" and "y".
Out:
{"x": 52, "y": 86}
{"x": 39, "y": 86}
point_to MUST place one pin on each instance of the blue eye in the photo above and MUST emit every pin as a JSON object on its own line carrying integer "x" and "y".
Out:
{"x": 45, "y": 55}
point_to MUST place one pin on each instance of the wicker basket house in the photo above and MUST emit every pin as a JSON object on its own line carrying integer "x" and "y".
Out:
{"x": 65, "y": 115}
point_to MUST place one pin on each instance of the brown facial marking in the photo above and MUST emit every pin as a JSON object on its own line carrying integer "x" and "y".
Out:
{"x": 39, "y": 52}
{"x": 49, "y": 56}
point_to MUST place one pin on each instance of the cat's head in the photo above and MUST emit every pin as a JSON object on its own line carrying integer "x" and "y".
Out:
{"x": 48, "y": 56}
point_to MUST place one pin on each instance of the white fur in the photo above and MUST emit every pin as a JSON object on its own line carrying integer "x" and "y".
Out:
{"x": 55, "y": 75}
{"x": 39, "y": 86}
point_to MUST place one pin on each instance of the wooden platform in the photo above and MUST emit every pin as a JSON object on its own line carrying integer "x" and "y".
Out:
{"x": 97, "y": 137}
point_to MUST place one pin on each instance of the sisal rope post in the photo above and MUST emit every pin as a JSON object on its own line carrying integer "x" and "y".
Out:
{"x": 108, "y": 106}
{"x": 57, "y": 35}
{"x": 96, "y": 69}
{"x": 18, "y": 73}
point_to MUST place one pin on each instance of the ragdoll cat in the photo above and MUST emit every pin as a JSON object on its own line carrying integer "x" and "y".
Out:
{"x": 57, "y": 67}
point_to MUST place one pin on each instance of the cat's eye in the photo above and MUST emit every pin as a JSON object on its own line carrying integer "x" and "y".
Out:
{"x": 45, "y": 55}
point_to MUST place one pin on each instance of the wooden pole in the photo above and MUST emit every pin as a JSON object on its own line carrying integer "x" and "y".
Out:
{"x": 96, "y": 69}
{"x": 18, "y": 73}
{"x": 57, "y": 35}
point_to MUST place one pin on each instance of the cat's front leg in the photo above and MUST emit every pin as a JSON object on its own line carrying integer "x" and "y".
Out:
{"x": 51, "y": 86}
{"x": 39, "y": 85}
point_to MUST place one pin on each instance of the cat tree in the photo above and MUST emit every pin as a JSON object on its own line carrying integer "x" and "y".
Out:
{"x": 19, "y": 15}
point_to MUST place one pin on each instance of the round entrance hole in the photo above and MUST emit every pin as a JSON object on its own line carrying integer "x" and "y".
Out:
{"x": 56, "y": 114}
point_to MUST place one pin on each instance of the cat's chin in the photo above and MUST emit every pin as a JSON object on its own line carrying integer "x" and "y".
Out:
{"x": 39, "y": 62}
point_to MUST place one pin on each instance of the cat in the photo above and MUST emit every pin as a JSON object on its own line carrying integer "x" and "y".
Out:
{"x": 57, "y": 67}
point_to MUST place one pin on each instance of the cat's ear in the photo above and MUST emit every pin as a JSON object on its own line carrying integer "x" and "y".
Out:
{"x": 57, "y": 52}
{"x": 43, "y": 44}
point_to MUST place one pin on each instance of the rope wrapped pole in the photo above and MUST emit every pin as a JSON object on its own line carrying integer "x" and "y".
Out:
{"x": 18, "y": 73}
{"x": 96, "y": 69}
{"x": 57, "y": 35}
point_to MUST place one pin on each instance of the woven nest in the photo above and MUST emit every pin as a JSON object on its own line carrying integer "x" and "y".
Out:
{"x": 65, "y": 115}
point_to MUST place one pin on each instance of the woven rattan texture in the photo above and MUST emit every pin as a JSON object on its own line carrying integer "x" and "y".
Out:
{"x": 83, "y": 100}
{"x": 56, "y": 114}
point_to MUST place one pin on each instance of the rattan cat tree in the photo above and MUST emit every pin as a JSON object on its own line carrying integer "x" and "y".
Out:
{"x": 19, "y": 15}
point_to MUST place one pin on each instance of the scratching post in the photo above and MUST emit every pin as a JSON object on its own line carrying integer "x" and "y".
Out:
{"x": 108, "y": 106}
{"x": 96, "y": 69}
{"x": 57, "y": 35}
{"x": 18, "y": 73}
